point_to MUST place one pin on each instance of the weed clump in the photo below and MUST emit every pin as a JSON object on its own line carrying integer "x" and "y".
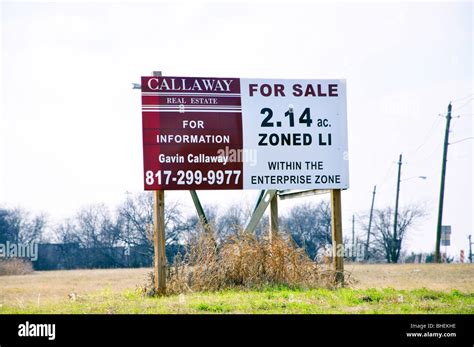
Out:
{"x": 243, "y": 261}
{"x": 15, "y": 266}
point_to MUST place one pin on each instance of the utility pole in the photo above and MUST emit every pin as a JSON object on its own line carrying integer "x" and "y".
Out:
{"x": 395, "y": 240}
{"x": 366, "y": 255}
{"x": 470, "y": 249}
{"x": 441, "y": 191}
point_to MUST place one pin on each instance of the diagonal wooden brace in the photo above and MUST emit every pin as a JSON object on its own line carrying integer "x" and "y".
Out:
{"x": 199, "y": 209}
{"x": 259, "y": 210}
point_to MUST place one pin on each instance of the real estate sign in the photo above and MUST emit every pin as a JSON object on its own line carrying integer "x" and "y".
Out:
{"x": 232, "y": 133}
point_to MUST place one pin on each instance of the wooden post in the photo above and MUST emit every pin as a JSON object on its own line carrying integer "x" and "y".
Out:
{"x": 159, "y": 241}
{"x": 337, "y": 245}
{"x": 273, "y": 216}
{"x": 159, "y": 260}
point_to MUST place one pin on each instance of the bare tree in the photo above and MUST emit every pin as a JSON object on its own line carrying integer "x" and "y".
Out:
{"x": 135, "y": 217}
{"x": 231, "y": 221}
{"x": 192, "y": 226}
{"x": 310, "y": 226}
{"x": 135, "y": 220}
{"x": 95, "y": 227}
{"x": 19, "y": 226}
{"x": 66, "y": 232}
{"x": 384, "y": 241}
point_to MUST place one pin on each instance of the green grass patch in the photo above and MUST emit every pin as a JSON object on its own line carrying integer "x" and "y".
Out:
{"x": 280, "y": 300}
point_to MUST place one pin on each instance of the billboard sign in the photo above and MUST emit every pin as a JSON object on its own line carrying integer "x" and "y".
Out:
{"x": 232, "y": 133}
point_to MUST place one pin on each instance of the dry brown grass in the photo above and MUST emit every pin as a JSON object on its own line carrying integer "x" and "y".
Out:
{"x": 53, "y": 286}
{"x": 442, "y": 277}
{"x": 244, "y": 260}
{"x": 15, "y": 266}
{"x": 57, "y": 285}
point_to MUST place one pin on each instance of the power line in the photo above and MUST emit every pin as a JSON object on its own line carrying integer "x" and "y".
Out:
{"x": 454, "y": 122}
{"x": 434, "y": 125}
{"x": 387, "y": 175}
{"x": 430, "y": 132}
{"x": 429, "y": 156}
{"x": 465, "y": 97}
{"x": 465, "y": 139}
{"x": 437, "y": 121}
{"x": 464, "y": 105}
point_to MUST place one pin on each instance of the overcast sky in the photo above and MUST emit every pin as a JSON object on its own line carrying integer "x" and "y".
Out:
{"x": 70, "y": 131}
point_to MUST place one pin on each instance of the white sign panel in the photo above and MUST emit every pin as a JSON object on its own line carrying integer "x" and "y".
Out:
{"x": 297, "y": 133}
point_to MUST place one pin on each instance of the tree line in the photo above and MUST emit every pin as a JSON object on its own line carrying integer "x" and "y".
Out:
{"x": 101, "y": 237}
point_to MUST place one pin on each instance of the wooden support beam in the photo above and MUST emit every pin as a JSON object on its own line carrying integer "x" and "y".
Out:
{"x": 288, "y": 194}
{"x": 337, "y": 244}
{"x": 159, "y": 263}
{"x": 199, "y": 209}
{"x": 159, "y": 242}
{"x": 259, "y": 198}
{"x": 273, "y": 216}
{"x": 259, "y": 211}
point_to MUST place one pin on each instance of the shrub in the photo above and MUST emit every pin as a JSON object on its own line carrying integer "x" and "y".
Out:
{"x": 15, "y": 266}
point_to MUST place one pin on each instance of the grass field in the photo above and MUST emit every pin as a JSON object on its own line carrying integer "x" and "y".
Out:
{"x": 406, "y": 288}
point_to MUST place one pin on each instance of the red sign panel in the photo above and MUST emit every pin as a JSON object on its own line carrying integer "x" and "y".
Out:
{"x": 188, "y": 123}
